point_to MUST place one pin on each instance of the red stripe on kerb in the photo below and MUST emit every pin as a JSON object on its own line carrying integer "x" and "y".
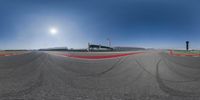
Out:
{"x": 2, "y": 55}
{"x": 101, "y": 57}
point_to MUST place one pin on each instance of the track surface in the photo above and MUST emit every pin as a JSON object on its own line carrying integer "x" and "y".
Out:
{"x": 150, "y": 76}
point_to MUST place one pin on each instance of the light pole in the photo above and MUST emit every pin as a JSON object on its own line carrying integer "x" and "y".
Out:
{"x": 187, "y": 45}
{"x": 109, "y": 42}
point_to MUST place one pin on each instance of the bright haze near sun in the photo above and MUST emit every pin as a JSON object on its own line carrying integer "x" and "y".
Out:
{"x": 53, "y": 31}
{"x": 34, "y": 24}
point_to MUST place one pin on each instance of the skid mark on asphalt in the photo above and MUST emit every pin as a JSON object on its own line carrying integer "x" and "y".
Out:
{"x": 82, "y": 81}
{"x": 107, "y": 70}
{"x": 64, "y": 66}
{"x": 170, "y": 90}
{"x": 102, "y": 56}
{"x": 16, "y": 67}
{"x": 140, "y": 63}
{"x": 28, "y": 86}
{"x": 25, "y": 91}
{"x": 181, "y": 64}
{"x": 180, "y": 73}
{"x": 120, "y": 60}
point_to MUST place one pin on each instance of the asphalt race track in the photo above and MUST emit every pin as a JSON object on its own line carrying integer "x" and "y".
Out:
{"x": 152, "y": 75}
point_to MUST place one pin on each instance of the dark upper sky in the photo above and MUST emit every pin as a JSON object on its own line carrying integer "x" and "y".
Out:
{"x": 143, "y": 23}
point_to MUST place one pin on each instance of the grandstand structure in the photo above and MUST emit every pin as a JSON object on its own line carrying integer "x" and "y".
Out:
{"x": 94, "y": 47}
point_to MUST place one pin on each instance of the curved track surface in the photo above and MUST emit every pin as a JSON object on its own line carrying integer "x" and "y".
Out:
{"x": 149, "y": 76}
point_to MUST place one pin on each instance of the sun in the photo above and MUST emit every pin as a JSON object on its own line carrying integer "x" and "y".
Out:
{"x": 53, "y": 31}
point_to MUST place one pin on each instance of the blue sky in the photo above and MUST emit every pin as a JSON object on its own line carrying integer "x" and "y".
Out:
{"x": 25, "y": 24}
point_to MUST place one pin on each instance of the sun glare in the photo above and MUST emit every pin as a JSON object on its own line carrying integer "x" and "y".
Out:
{"x": 53, "y": 31}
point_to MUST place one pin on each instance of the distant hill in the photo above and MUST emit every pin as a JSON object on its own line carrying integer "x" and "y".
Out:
{"x": 54, "y": 49}
{"x": 17, "y": 50}
{"x": 128, "y": 48}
